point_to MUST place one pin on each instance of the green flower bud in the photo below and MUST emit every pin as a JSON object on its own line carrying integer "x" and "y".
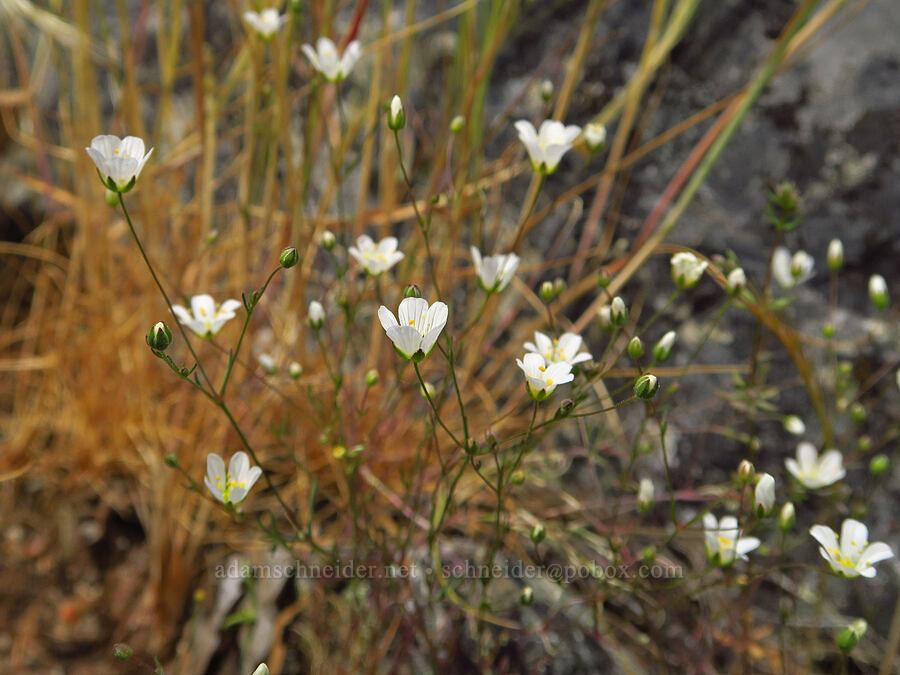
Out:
{"x": 111, "y": 197}
{"x": 835, "y": 255}
{"x": 517, "y": 477}
{"x": 603, "y": 279}
{"x": 879, "y": 464}
{"x": 371, "y": 378}
{"x": 864, "y": 443}
{"x": 457, "y": 124}
{"x": 649, "y": 554}
{"x": 850, "y": 636}
{"x": 546, "y": 90}
{"x": 559, "y": 286}
{"x": 289, "y": 257}
{"x": 784, "y": 203}
{"x": 538, "y": 533}
{"x": 159, "y": 337}
{"x": 878, "y": 291}
{"x": 171, "y": 460}
{"x": 646, "y": 386}
{"x": 828, "y": 330}
{"x": 663, "y": 349}
{"x": 295, "y": 370}
{"x": 858, "y": 412}
{"x": 546, "y": 292}
{"x": 412, "y": 291}
{"x": 635, "y": 348}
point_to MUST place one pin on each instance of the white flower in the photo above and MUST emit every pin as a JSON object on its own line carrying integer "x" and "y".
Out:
{"x": 645, "y": 494}
{"x": 261, "y": 669}
{"x": 565, "y": 349}
{"x": 376, "y": 258}
{"x": 325, "y": 59}
{"x": 723, "y": 540}
{"x": 547, "y": 145}
{"x": 267, "y": 22}
{"x": 594, "y": 136}
{"x": 618, "y": 312}
{"x": 119, "y": 161}
{"x": 765, "y": 494}
{"x": 204, "y": 318}
{"x": 233, "y": 485}
{"x": 687, "y": 269}
{"x": 542, "y": 377}
{"x": 315, "y": 315}
{"x": 418, "y": 328}
{"x": 791, "y": 270}
{"x": 815, "y": 472}
{"x": 853, "y": 555}
{"x": 495, "y": 271}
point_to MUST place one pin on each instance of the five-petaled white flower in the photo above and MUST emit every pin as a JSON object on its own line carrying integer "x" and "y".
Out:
{"x": 724, "y": 542}
{"x": 233, "y": 485}
{"x": 418, "y": 328}
{"x": 816, "y": 472}
{"x": 376, "y": 258}
{"x": 494, "y": 271}
{"x": 326, "y": 60}
{"x": 687, "y": 269}
{"x": 547, "y": 145}
{"x": 791, "y": 270}
{"x": 853, "y": 555}
{"x": 542, "y": 376}
{"x": 119, "y": 161}
{"x": 266, "y": 22}
{"x": 565, "y": 349}
{"x": 204, "y": 318}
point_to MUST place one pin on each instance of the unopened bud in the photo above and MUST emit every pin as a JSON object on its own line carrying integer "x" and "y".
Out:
{"x": 412, "y": 291}
{"x": 457, "y": 124}
{"x": 878, "y": 292}
{"x": 315, "y": 315}
{"x": 171, "y": 460}
{"x": 328, "y": 240}
{"x": 618, "y": 312}
{"x": 371, "y": 378}
{"x": 289, "y": 257}
{"x": 546, "y": 291}
{"x": 764, "y": 495}
{"x": 295, "y": 370}
{"x": 159, "y": 337}
{"x": 546, "y": 90}
{"x": 594, "y": 136}
{"x": 635, "y": 348}
{"x": 604, "y": 317}
{"x": 538, "y": 533}
{"x": 828, "y": 330}
{"x": 745, "y": 471}
{"x": 879, "y": 464}
{"x": 793, "y": 425}
{"x": 646, "y": 386}
{"x": 858, "y": 412}
{"x": 663, "y": 349}
{"x": 835, "y": 255}
{"x": 850, "y": 636}
{"x": 786, "y": 517}
{"x": 559, "y": 286}
{"x": 268, "y": 364}
{"x": 645, "y": 495}
{"x": 517, "y": 477}
{"x": 111, "y": 197}
{"x": 427, "y": 391}
{"x": 396, "y": 114}
{"x": 526, "y": 597}
{"x": 737, "y": 280}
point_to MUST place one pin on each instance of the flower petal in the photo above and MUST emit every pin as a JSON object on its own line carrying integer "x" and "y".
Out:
{"x": 387, "y": 318}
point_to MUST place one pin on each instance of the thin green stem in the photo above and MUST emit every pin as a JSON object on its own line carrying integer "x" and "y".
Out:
{"x": 434, "y": 408}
